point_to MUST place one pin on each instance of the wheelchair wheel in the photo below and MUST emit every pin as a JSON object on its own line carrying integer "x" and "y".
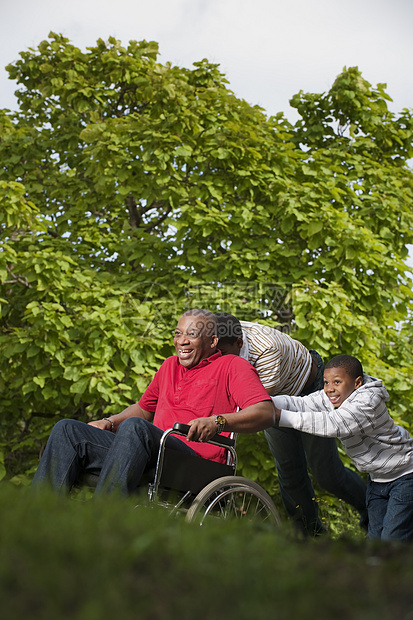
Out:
{"x": 233, "y": 497}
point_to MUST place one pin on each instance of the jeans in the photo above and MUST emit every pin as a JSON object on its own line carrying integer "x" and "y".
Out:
{"x": 294, "y": 452}
{"x": 390, "y": 508}
{"x": 120, "y": 459}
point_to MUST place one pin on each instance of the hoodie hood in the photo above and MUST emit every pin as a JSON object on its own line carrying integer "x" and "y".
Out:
{"x": 372, "y": 382}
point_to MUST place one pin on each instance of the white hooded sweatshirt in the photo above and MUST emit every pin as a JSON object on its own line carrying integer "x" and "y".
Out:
{"x": 372, "y": 440}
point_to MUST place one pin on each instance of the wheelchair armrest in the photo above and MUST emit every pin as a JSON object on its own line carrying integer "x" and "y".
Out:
{"x": 221, "y": 440}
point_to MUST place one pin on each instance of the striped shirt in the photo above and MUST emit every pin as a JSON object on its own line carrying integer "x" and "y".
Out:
{"x": 282, "y": 363}
{"x": 375, "y": 444}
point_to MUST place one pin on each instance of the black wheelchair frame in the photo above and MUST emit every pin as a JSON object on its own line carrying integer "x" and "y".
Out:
{"x": 208, "y": 488}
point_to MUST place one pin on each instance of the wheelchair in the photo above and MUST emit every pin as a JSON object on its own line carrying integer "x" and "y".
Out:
{"x": 208, "y": 489}
{"x": 201, "y": 489}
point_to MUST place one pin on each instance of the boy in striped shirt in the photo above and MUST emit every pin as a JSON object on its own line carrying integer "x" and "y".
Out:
{"x": 352, "y": 407}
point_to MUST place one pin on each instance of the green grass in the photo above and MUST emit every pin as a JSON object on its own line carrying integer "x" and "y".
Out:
{"x": 91, "y": 560}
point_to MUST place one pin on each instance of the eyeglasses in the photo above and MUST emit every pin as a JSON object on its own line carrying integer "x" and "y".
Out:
{"x": 191, "y": 335}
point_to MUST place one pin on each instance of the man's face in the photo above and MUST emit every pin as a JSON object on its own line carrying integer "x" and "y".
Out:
{"x": 194, "y": 339}
{"x": 338, "y": 385}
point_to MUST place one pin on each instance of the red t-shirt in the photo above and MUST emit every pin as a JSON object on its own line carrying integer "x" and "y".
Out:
{"x": 217, "y": 385}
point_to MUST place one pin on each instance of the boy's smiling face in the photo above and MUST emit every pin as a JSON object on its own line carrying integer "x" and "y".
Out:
{"x": 338, "y": 385}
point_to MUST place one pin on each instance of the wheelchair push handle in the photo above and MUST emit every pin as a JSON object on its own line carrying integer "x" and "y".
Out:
{"x": 221, "y": 439}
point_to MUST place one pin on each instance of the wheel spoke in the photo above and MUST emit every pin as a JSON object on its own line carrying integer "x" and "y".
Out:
{"x": 233, "y": 497}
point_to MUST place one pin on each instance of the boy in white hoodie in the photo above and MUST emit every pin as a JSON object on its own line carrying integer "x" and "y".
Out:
{"x": 352, "y": 407}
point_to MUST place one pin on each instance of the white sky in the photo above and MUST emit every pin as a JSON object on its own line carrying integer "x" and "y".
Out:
{"x": 268, "y": 49}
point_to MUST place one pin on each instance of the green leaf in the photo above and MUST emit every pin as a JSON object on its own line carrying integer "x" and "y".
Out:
{"x": 79, "y": 386}
{"x": 314, "y": 227}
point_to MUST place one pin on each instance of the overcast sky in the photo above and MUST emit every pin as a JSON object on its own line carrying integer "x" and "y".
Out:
{"x": 268, "y": 49}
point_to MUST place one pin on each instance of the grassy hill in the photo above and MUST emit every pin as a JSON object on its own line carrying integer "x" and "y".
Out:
{"x": 65, "y": 558}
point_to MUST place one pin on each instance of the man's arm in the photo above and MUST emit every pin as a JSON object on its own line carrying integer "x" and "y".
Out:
{"x": 252, "y": 419}
{"x": 112, "y": 422}
{"x": 133, "y": 411}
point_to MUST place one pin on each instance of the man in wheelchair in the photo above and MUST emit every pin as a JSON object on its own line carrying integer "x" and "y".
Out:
{"x": 199, "y": 387}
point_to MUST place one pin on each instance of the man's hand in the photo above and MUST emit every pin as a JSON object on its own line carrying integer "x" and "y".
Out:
{"x": 117, "y": 418}
{"x": 105, "y": 425}
{"x": 252, "y": 419}
{"x": 202, "y": 429}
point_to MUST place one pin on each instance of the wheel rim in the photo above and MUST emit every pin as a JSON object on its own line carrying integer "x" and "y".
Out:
{"x": 237, "y": 502}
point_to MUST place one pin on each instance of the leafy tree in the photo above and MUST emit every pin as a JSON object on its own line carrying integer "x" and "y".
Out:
{"x": 360, "y": 293}
{"x": 132, "y": 190}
